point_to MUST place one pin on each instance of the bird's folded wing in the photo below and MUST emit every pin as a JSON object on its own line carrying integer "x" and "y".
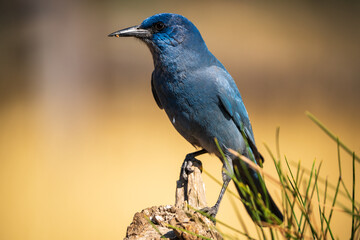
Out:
{"x": 154, "y": 92}
{"x": 230, "y": 99}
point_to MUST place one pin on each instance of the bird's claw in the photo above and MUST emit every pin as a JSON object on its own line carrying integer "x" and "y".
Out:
{"x": 186, "y": 167}
{"x": 210, "y": 212}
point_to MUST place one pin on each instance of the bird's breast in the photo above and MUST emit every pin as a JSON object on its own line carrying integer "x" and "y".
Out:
{"x": 189, "y": 104}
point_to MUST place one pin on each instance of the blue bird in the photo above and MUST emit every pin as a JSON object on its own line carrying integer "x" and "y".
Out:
{"x": 203, "y": 103}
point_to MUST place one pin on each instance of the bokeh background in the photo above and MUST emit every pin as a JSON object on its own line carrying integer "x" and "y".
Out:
{"x": 83, "y": 145}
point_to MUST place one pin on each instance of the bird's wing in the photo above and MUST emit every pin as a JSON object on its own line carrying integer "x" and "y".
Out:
{"x": 231, "y": 101}
{"x": 154, "y": 92}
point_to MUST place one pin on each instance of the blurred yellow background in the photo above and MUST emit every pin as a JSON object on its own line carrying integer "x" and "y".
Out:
{"x": 83, "y": 145}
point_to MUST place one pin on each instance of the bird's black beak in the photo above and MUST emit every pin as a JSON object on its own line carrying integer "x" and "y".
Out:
{"x": 134, "y": 31}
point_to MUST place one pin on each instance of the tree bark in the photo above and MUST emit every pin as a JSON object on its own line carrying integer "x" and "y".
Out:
{"x": 181, "y": 221}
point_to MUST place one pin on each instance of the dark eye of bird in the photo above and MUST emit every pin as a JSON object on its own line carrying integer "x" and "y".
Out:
{"x": 159, "y": 26}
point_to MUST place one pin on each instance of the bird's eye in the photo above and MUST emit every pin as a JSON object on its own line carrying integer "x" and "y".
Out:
{"x": 159, "y": 26}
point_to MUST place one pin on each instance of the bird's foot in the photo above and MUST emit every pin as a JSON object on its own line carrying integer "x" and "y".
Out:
{"x": 210, "y": 212}
{"x": 186, "y": 167}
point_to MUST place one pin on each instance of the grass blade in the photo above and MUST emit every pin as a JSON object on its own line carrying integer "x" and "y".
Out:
{"x": 154, "y": 226}
{"x": 331, "y": 135}
{"x": 328, "y": 227}
{"x": 353, "y": 202}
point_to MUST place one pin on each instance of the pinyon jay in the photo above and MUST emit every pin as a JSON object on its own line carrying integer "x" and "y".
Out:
{"x": 203, "y": 103}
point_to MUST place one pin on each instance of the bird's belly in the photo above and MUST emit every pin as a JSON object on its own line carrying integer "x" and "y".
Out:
{"x": 185, "y": 123}
{"x": 200, "y": 125}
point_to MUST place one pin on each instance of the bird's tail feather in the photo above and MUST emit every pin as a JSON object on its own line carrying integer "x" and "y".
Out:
{"x": 253, "y": 193}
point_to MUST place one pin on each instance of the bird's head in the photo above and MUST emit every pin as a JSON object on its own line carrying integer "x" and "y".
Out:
{"x": 166, "y": 33}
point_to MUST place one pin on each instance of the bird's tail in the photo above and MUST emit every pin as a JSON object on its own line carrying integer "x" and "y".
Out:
{"x": 253, "y": 193}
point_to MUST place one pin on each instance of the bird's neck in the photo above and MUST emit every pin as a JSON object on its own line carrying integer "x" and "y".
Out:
{"x": 178, "y": 60}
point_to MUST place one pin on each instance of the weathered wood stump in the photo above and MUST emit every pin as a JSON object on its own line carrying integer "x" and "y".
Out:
{"x": 180, "y": 221}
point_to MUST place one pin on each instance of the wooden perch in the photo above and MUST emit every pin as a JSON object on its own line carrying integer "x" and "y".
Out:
{"x": 178, "y": 222}
{"x": 191, "y": 191}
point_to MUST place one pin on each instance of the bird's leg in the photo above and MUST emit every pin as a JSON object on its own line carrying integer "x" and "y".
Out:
{"x": 212, "y": 211}
{"x": 226, "y": 175}
{"x": 188, "y": 162}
